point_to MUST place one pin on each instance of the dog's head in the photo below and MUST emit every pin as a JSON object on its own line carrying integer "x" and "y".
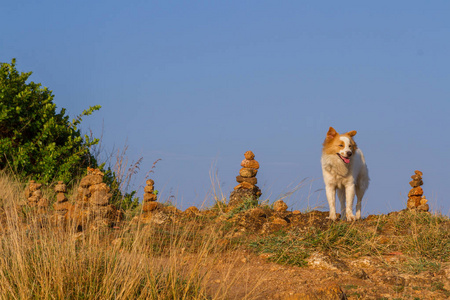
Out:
{"x": 341, "y": 145}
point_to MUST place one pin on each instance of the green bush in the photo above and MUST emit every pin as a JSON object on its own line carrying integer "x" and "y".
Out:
{"x": 35, "y": 140}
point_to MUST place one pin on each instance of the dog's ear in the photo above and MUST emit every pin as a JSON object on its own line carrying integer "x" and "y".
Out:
{"x": 352, "y": 133}
{"x": 331, "y": 134}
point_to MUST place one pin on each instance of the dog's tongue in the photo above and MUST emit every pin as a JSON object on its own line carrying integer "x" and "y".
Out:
{"x": 345, "y": 159}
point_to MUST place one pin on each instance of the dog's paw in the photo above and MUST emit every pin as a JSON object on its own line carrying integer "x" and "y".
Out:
{"x": 358, "y": 215}
{"x": 351, "y": 217}
{"x": 332, "y": 217}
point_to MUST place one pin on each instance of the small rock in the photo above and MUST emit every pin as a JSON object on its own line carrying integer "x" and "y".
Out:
{"x": 159, "y": 218}
{"x": 37, "y": 193}
{"x": 280, "y": 206}
{"x": 417, "y": 191}
{"x": 60, "y": 187}
{"x": 99, "y": 187}
{"x": 252, "y": 164}
{"x": 248, "y": 172}
{"x": 34, "y": 186}
{"x": 63, "y": 206}
{"x": 149, "y": 197}
{"x": 280, "y": 221}
{"x": 320, "y": 261}
{"x": 244, "y": 185}
{"x": 89, "y": 180}
{"x": 249, "y": 155}
{"x": 393, "y": 280}
{"x": 43, "y": 203}
{"x": 100, "y": 197}
{"x": 251, "y": 180}
{"x": 416, "y": 177}
{"x": 411, "y": 204}
{"x": 27, "y": 192}
{"x": 423, "y": 207}
{"x": 423, "y": 200}
{"x": 83, "y": 194}
{"x": 60, "y": 197}
{"x": 92, "y": 171}
{"x": 256, "y": 213}
{"x": 416, "y": 183}
{"x": 150, "y": 182}
{"x": 416, "y": 200}
{"x": 363, "y": 262}
{"x": 150, "y": 206}
{"x": 149, "y": 189}
{"x": 296, "y": 212}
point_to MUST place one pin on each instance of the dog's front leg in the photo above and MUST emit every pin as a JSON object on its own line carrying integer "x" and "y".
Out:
{"x": 349, "y": 196}
{"x": 331, "y": 197}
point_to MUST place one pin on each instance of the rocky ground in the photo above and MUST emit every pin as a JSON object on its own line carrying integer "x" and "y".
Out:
{"x": 326, "y": 278}
{"x": 269, "y": 253}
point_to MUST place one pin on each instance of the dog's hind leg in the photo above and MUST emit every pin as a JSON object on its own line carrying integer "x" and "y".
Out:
{"x": 360, "y": 189}
{"x": 341, "y": 196}
{"x": 359, "y": 195}
{"x": 349, "y": 196}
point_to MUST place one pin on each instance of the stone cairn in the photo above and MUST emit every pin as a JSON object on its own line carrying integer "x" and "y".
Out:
{"x": 150, "y": 197}
{"x": 246, "y": 189}
{"x": 62, "y": 205}
{"x": 416, "y": 200}
{"x": 92, "y": 201}
{"x": 33, "y": 194}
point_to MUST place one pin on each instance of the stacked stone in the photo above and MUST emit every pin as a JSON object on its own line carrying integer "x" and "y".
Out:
{"x": 416, "y": 200}
{"x": 247, "y": 187}
{"x": 150, "y": 197}
{"x": 62, "y": 204}
{"x": 247, "y": 175}
{"x": 33, "y": 194}
{"x": 93, "y": 201}
{"x": 92, "y": 189}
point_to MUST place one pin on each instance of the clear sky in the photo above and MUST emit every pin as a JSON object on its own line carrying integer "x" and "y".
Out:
{"x": 198, "y": 83}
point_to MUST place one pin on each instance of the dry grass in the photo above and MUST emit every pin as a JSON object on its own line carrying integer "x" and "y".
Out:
{"x": 135, "y": 262}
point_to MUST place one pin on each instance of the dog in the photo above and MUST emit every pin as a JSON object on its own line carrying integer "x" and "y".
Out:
{"x": 345, "y": 171}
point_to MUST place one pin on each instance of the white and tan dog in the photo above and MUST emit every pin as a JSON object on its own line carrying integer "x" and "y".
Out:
{"x": 345, "y": 171}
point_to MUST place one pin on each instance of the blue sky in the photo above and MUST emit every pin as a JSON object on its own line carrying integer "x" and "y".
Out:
{"x": 198, "y": 83}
